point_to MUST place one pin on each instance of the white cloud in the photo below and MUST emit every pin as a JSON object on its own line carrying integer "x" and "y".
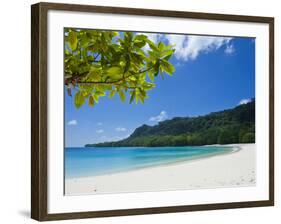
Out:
{"x": 72, "y": 122}
{"x": 244, "y": 101}
{"x": 100, "y": 131}
{"x": 99, "y": 123}
{"x": 120, "y": 129}
{"x": 229, "y": 49}
{"x": 161, "y": 117}
{"x": 188, "y": 47}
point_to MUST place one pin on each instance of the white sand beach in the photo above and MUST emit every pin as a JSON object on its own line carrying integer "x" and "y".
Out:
{"x": 227, "y": 170}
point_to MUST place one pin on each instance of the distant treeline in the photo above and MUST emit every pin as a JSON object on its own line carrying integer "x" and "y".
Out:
{"x": 235, "y": 125}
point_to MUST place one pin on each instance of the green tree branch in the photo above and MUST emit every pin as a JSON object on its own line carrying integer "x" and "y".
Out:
{"x": 100, "y": 63}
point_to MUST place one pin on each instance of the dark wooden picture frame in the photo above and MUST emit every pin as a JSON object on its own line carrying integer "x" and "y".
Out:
{"x": 39, "y": 147}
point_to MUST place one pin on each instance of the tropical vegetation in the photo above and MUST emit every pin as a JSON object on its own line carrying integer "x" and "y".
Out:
{"x": 105, "y": 63}
{"x": 235, "y": 125}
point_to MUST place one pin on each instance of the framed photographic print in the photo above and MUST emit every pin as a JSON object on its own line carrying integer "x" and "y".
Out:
{"x": 139, "y": 111}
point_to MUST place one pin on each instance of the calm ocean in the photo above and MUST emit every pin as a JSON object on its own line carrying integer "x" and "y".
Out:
{"x": 83, "y": 162}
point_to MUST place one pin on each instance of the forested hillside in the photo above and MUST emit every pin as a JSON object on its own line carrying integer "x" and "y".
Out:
{"x": 235, "y": 125}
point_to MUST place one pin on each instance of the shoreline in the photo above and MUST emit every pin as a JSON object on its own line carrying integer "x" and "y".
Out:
{"x": 235, "y": 168}
{"x": 232, "y": 144}
{"x": 186, "y": 160}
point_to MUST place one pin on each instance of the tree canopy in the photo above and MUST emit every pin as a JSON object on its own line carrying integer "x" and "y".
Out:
{"x": 105, "y": 63}
{"x": 235, "y": 125}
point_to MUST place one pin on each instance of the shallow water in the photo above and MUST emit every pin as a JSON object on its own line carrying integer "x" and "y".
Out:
{"x": 91, "y": 161}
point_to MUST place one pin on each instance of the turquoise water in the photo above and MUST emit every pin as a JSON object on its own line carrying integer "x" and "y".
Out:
{"x": 83, "y": 162}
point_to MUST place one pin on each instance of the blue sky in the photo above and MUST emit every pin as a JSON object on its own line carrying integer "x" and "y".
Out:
{"x": 212, "y": 74}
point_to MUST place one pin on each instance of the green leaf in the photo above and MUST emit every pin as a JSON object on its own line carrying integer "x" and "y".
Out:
{"x": 142, "y": 92}
{"x": 85, "y": 41}
{"x": 114, "y": 33}
{"x": 114, "y": 72}
{"x": 167, "y": 67}
{"x": 161, "y": 46}
{"x": 111, "y": 94}
{"x": 128, "y": 37}
{"x": 167, "y": 54}
{"x": 141, "y": 52}
{"x": 139, "y": 43}
{"x": 72, "y": 40}
{"x": 151, "y": 75}
{"x": 100, "y": 93}
{"x": 133, "y": 95}
{"x": 96, "y": 98}
{"x": 66, "y": 51}
{"x": 140, "y": 37}
{"x": 91, "y": 101}
{"x": 94, "y": 74}
{"x": 79, "y": 99}
{"x": 141, "y": 97}
{"x": 137, "y": 97}
{"x": 148, "y": 86}
{"x": 152, "y": 45}
{"x": 156, "y": 68}
{"x": 122, "y": 95}
{"x": 137, "y": 59}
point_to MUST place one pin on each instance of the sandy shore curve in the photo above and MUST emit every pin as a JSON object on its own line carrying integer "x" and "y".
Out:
{"x": 227, "y": 170}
